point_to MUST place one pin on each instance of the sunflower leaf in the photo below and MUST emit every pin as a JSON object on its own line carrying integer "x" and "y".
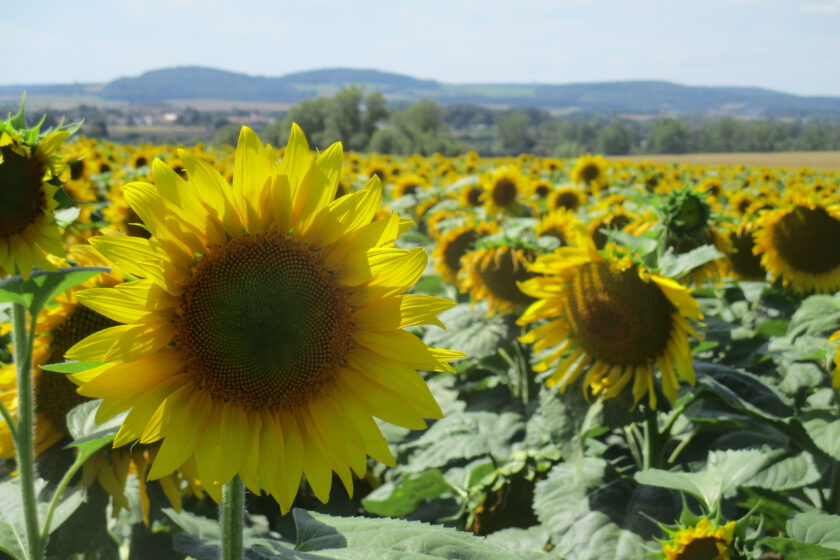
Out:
{"x": 471, "y": 331}
{"x": 86, "y": 433}
{"x": 791, "y": 549}
{"x": 591, "y": 514}
{"x": 356, "y": 538}
{"x": 397, "y": 500}
{"x": 724, "y": 472}
{"x": 44, "y": 285}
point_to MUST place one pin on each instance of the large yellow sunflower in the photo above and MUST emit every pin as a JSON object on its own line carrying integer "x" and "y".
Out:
{"x": 266, "y": 329}
{"x": 801, "y": 244}
{"x": 611, "y": 318}
{"x": 28, "y": 230}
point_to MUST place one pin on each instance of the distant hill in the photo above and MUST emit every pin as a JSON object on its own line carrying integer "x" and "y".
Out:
{"x": 651, "y": 97}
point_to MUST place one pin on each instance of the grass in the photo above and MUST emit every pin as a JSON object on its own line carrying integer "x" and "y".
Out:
{"x": 812, "y": 160}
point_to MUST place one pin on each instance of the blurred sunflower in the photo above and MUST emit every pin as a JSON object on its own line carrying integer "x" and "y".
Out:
{"x": 470, "y": 196}
{"x": 570, "y": 198}
{"x": 609, "y": 317}
{"x": 591, "y": 171}
{"x": 28, "y": 230}
{"x": 502, "y": 190}
{"x": 454, "y": 244}
{"x": 493, "y": 274}
{"x": 702, "y": 541}
{"x": 742, "y": 261}
{"x": 409, "y": 185}
{"x": 801, "y": 244}
{"x": 266, "y": 329}
{"x": 561, "y": 224}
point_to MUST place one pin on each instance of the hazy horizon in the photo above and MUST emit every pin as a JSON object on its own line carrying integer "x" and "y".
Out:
{"x": 785, "y": 46}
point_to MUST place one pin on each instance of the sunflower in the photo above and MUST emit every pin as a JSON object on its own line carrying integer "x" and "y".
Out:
{"x": 591, "y": 171}
{"x": 702, "y": 541}
{"x": 611, "y": 318}
{"x": 741, "y": 260}
{"x": 409, "y": 185}
{"x": 470, "y": 196}
{"x": 502, "y": 190}
{"x": 801, "y": 244}
{"x": 570, "y": 198}
{"x": 28, "y": 230}
{"x": 541, "y": 188}
{"x": 494, "y": 273}
{"x": 561, "y": 224}
{"x": 454, "y": 245}
{"x": 266, "y": 329}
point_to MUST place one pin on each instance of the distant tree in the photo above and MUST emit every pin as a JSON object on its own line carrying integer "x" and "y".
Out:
{"x": 615, "y": 139}
{"x": 228, "y": 134}
{"x": 376, "y": 111}
{"x": 766, "y": 136}
{"x": 813, "y": 137}
{"x": 670, "y": 136}
{"x": 515, "y": 133}
{"x": 389, "y": 140}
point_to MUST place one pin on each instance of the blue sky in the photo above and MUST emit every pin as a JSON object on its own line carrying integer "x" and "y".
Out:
{"x": 784, "y": 45}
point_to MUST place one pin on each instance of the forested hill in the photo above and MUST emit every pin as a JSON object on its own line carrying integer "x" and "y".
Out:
{"x": 610, "y": 97}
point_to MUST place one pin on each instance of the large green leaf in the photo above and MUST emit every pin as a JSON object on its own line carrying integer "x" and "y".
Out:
{"x": 812, "y": 536}
{"x": 592, "y": 515}
{"x": 823, "y": 428}
{"x": 399, "y": 499}
{"x": 87, "y": 435}
{"x": 796, "y": 550}
{"x": 464, "y": 436}
{"x": 816, "y": 528}
{"x": 471, "y": 331}
{"x": 724, "y": 472}
{"x": 786, "y": 473}
{"x": 364, "y": 539}
{"x": 817, "y": 315}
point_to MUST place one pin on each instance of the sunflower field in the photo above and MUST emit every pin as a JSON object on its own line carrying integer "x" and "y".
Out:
{"x": 286, "y": 353}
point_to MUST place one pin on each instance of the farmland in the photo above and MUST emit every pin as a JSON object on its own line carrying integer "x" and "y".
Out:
{"x": 512, "y": 357}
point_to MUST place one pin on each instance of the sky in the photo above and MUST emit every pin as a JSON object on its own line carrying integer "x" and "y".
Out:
{"x": 783, "y": 45}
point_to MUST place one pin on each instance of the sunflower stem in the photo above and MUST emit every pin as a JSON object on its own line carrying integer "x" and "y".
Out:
{"x": 25, "y": 436}
{"x": 232, "y": 519}
{"x": 652, "y": 459}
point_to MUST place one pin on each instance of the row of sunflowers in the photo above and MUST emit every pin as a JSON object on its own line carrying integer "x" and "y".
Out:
{"x": 492, "y": 358}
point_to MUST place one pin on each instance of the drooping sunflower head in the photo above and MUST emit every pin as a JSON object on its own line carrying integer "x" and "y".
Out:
{"x": 29, "y": 168}
{"x": 493, "y": 273}
{"x": 685, "y": 214}
{"x": 454, "y": 244}
{"x": 503, "y": 189}
{"x": 801, "y": 245}
{"x": 267, "y": 327}
{"x": 742, "y": 262}
{"x": 591, "y": 171}
{"x": 702, "y": 541}
{"x": 610, "y": 318}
